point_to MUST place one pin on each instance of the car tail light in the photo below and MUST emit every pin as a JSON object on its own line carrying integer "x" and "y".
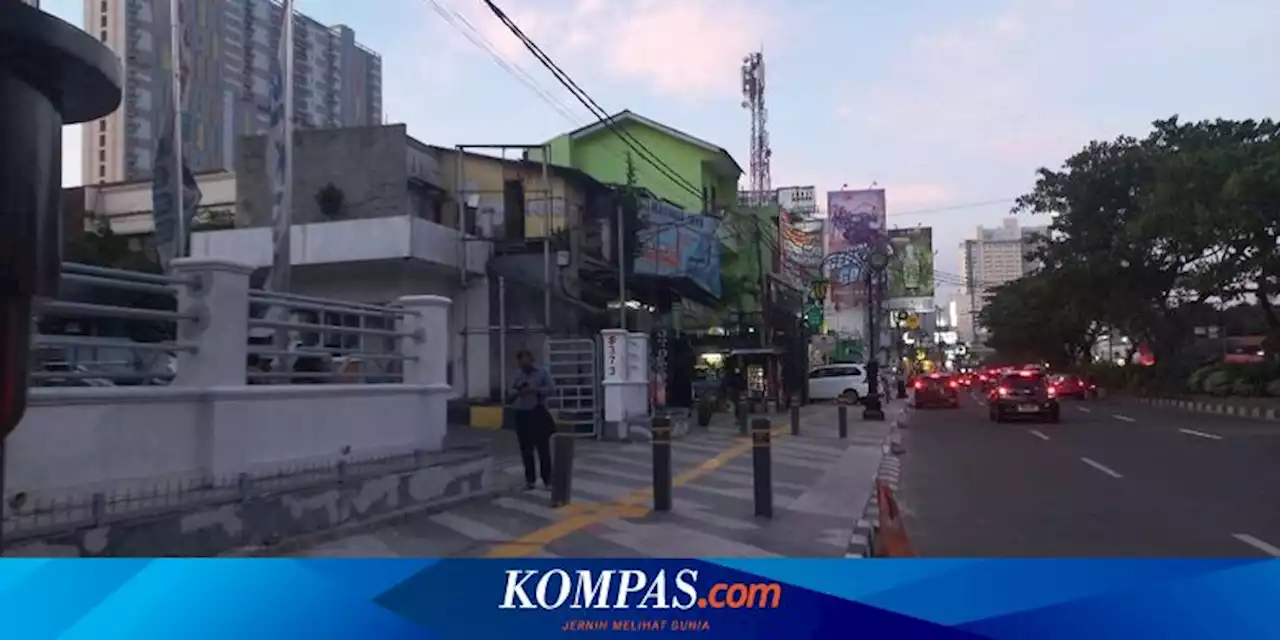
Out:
{"x": 982, "y": 378}
{"x": 919, "y": 385}
{"x": 1053, "y": 391}
{"x": 952, "y": 384}
{"x": 1004, "y": 391}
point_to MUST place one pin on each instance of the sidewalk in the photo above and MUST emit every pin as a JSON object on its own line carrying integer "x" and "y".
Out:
{"x": 821, "y": 485}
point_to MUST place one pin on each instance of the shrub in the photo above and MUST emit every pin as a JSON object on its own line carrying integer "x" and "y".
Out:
{"x": 1273, "y": 388}
{"x": 1243, "y": 388}
{"x": 1217, "y": 383}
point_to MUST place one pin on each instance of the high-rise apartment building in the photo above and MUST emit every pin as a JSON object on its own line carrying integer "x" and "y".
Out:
{"x": 230, "y": 48}
{"x": 992, "y": 258}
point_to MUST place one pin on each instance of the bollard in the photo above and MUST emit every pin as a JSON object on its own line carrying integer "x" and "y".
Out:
{"x": 562, "y": 449}
{"x": 742, "y": 417}
{"x": 902, "y": 389}
{"x": 762, "y": 466}
{"x": 661, "y": 428}
{"x": 795, "y": 419}
{"x": 843, "y": 413}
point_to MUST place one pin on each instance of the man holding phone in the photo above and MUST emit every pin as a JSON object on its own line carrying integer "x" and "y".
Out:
{"x": 534, "y": 424}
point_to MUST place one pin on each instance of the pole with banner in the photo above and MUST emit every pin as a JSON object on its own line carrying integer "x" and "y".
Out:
{"x": 174, "y": 192}
{"x": 280, "y": 168}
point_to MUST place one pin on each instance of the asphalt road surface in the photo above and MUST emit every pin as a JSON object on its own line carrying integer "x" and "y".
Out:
{"x": 1113, "y": 479}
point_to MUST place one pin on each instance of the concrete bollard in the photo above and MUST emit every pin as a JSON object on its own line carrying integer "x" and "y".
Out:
{"x": 661, "y": 429}
{"x": 562, "y": 451}
{"x": 843, "y": 415}
{"x": 762, "y": 466}
{"x": 795, "y": 419}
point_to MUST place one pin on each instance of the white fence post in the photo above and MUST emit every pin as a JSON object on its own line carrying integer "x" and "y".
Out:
{"x": 428, "y": 348}
{"x": 219, "y": 299}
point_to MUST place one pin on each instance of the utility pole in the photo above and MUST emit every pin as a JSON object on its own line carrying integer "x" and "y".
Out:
{"x": 764, "y": 291}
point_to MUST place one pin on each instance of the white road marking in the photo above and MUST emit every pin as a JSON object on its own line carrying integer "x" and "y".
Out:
{"x": 1102, "y": 467}
{"x": 1039, "y": 434}
{"x": 1124, "y": 418}
{"x": 1257, "y": 544}
{"x": 1201, "y": 434}
{"x": 1085, "y": 409}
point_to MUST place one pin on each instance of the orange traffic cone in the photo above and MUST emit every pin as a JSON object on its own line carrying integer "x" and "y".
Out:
{"x": 891, "y": 539}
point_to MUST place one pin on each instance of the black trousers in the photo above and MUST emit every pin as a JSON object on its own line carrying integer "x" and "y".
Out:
{"x": 533, "y": 431}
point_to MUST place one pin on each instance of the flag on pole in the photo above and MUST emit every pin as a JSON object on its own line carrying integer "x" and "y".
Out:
{"x": 171, "y": 193}
{"x": 278, "y": 150}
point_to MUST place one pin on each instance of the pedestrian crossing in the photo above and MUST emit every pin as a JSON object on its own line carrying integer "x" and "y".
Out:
{"x": 712, "y": 512}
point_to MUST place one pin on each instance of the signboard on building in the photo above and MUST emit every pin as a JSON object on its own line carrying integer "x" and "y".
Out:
{"x": 677, "y": 244}
{"x": 798, "y": 199}
{"x": 855, "y": 219}
{"x": 911, "y": 270}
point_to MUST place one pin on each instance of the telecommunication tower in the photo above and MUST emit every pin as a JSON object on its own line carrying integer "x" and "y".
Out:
{"x": 753, "y": 100}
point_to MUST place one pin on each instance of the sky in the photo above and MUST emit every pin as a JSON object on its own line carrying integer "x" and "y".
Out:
{"x": 949, "y": 106}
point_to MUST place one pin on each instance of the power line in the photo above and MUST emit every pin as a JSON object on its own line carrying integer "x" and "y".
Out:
{"x": 591, "y": 105}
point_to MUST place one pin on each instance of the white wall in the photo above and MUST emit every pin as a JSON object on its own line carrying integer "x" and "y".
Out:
{"x": 365, "y": 239}
{"x": 91, "y": 439}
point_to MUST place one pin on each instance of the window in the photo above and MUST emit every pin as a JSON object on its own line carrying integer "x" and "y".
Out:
{"x": 102, "y": 125}
{"x": 104, "y": 21}
{"x": 102, "y": 141}
{"x": 102, "y": 155}
{"x": 102, "y": 171}
{"x": 103, "y": 36}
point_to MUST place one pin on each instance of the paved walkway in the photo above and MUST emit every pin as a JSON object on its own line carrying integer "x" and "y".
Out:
{"x": 821, "y": 484}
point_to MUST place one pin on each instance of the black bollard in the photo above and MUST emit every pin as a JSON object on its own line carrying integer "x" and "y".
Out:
{"x": 661, "y": 428}
{"x": 902, "y": 389}
{"x": 562, "y": 449}
{"x": 762, "y": 466}
{"x": 795, "y": 419}
{"x": 742, "y": 417}
{"x": 843, "y": 413}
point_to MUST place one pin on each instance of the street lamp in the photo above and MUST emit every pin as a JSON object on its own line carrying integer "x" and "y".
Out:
{"x": 876, "y": 263}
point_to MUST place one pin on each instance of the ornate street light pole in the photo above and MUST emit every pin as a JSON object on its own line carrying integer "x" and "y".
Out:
{"x": 876, "y": 263}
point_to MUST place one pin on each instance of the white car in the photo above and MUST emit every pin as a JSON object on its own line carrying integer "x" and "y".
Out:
{"x": 846, "y": 382}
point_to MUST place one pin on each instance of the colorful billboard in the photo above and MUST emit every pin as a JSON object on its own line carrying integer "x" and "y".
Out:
{"x": 911, "y": 270}
{"x": 677, "y": 244}
{"x": 854, "y": 218}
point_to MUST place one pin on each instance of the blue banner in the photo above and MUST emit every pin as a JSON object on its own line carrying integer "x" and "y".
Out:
{"x": 677, "y": 244}
{"x": 247, "y": 599}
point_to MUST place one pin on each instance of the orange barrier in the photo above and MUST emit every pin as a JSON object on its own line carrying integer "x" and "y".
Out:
{"x": 891, "y": 537}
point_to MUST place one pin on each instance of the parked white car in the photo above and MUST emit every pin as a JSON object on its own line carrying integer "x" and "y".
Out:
{"x": 846, "y": 382}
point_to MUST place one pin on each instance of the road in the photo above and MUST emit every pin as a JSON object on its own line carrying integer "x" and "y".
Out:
{"x": 1114, "y": 479}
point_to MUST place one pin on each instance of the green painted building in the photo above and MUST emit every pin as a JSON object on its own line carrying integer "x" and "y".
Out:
{"x": 705, "y": 180}
{"x": 704, "y": 177}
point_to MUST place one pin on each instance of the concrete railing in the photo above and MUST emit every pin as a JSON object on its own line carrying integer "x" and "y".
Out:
{"x": 209, "y": 427}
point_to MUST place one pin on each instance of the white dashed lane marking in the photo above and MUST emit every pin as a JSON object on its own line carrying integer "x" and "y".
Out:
{"x": 1102, "y": 467}
{"x": 1039, "y": 434}
{"x": 1201, "y": 434}
{"x": 1123, "y": 418}
{"x": 1085, "y": 409}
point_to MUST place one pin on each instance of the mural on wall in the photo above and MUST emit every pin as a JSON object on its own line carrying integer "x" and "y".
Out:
{"x": 677, "y": 244}
{"x": 855, "y": 224}
{"x": 911, "y": 270}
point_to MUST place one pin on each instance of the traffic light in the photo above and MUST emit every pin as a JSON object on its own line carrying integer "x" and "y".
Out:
{"x": 51, "y": 74}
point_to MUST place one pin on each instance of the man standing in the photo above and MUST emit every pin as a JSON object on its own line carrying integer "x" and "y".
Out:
{"x": 534, "y": 424}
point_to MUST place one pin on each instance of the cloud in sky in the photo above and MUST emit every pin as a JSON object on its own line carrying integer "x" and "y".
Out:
{"x": 679, "y": 49}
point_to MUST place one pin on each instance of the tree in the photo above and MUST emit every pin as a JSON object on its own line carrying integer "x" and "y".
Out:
{"x": 1039, "y": 317}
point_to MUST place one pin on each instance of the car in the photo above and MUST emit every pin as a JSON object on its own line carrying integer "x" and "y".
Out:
{"x": 1023, "y": 395}
{"x": 936, "y": 389}
{"x": 844, "y": 382}
{"x": 1069, "y": 386}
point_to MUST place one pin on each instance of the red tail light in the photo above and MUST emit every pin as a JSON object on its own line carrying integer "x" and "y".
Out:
{"x": 952, "y": 384}
{"x": 1053, "y": 391}
{"x": 919, "y": 385}
{"x": 1004, "y": 391}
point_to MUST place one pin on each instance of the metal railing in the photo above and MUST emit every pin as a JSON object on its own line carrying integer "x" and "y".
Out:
{"x": 87, "y": 341}
{"x": 328, "y": 341}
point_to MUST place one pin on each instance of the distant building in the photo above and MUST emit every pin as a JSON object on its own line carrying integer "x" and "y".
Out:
{"x": 337, "y": 82}
{"x": 992, "y": 258}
